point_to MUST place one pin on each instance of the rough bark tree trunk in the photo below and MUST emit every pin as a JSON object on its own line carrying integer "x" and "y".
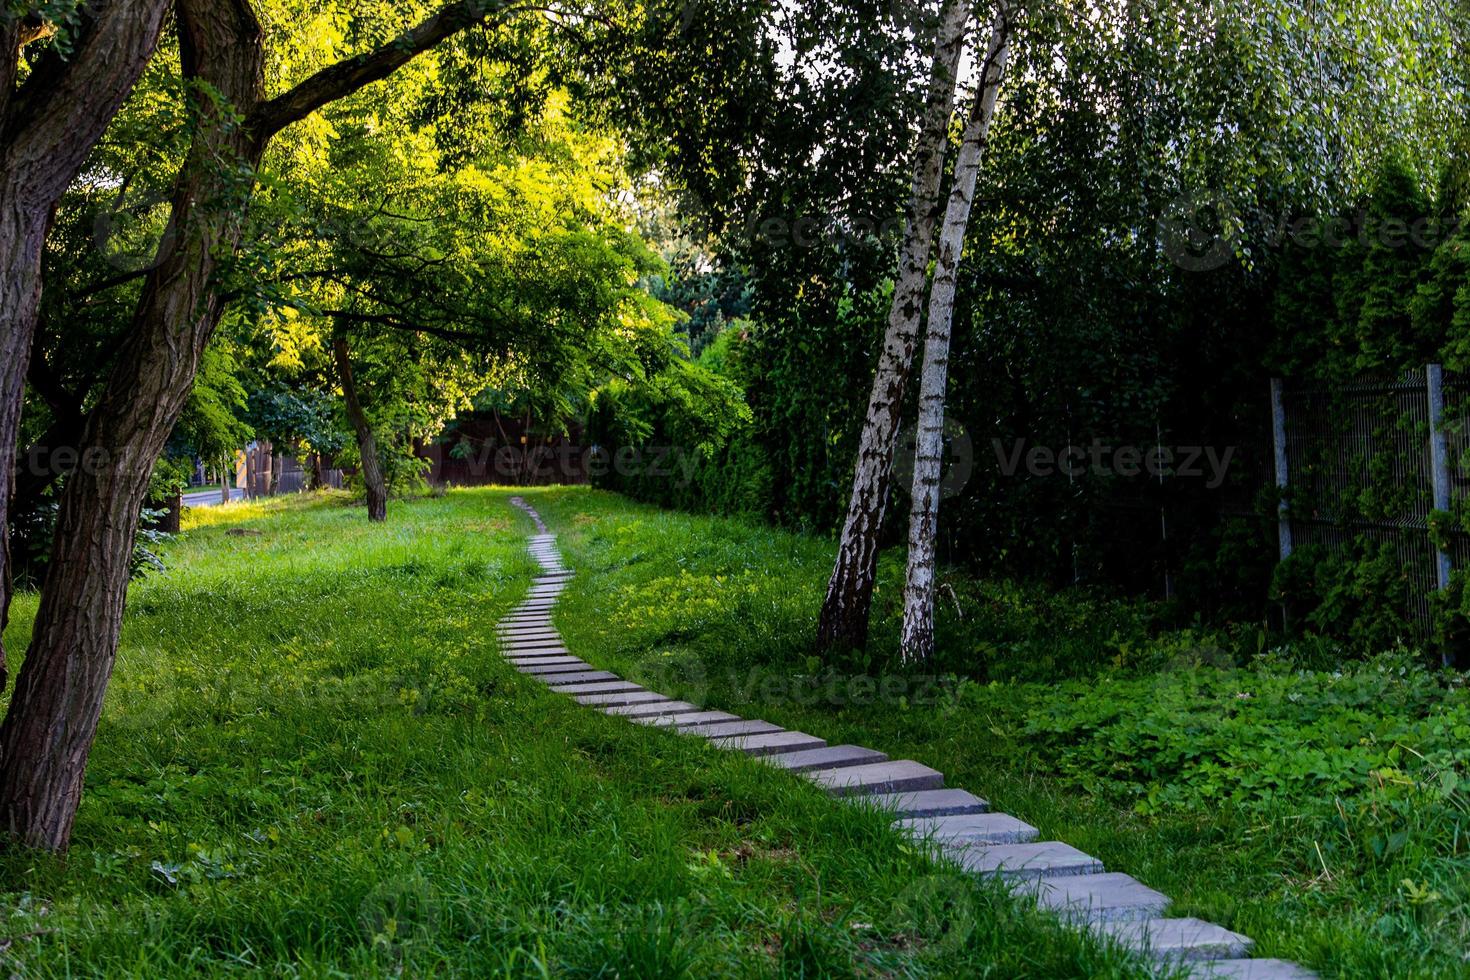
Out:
{"x": 48, "y": 730}
{"x": 22, "y": 236}
{"x": 367, "y": 443}
{"x": 844, "y": 619}
{"x": 918, "y": 596}
{"x": 47, "y": 128}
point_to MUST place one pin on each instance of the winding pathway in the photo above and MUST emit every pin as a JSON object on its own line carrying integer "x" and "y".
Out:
{"x": 957, "y": 823}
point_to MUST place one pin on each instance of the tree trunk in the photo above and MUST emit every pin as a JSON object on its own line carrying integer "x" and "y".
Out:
{"x": 367, "y": 443}
{"x": 267, "y": 469}
{"x": 52, "y": 720}
{"x": 47, "y": 127}
{"x": 844, "y": 621}
{"x": 227, "y": 478}
{"x": 918, "y": 595}
{"x": 22, "y": 237}
{"x": 48, "y": 731}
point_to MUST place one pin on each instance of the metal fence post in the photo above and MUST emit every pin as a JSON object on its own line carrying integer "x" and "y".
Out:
{"x": 1439, "y": 458}
{"x": 1278, "y": 439}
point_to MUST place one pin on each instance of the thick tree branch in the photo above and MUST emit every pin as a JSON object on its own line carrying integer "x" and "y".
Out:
{"x": 345, "y": 77}
{"x": 407, "y": 326}
{"x": 51, "y": 119}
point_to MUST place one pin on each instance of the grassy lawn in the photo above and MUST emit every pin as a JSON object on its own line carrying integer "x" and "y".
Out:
{"x": 313, "y": 762}
{"x": 1316, "y": 804}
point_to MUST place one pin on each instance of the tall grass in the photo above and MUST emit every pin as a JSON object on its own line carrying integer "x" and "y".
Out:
{"x": 1321, "y": 811}
{"x": 313, "y": 762}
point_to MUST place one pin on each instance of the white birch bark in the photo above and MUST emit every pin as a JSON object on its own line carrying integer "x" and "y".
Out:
{"x": 844, "y": 621}
{"x": 918, "y": 596}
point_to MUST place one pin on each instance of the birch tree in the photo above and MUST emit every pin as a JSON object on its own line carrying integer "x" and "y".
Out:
{"x": 844, "y": 619}
{"x": 918, "y": 596}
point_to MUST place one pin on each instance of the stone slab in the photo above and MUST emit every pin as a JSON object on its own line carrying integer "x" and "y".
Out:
{"x": 719, "y": 729}
{"x": 550, "y": 653}
{"x": 1251, "y": 970}
{"x": 1178, "y": 939}
{"x": 877, "y": 777}
{"x": 989, "y": 828}
{"x": 601, "y": 687}
{"x": 700, "y": 717}
{"x": 826, "y": 758}
{"x": 1047, "y": 859}
{"x": 926, "y": 803}
{"x": 1108, "y": 897}
{"x": 624, "y": 697}
{"x": 533, "y": 645}
{"x": 643, "y": 712}
{"x": 579, "y": 677}
{"x": 536, "y": 668}
{"x": 771, "y": 743}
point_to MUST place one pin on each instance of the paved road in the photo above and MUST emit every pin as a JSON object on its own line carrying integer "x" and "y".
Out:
{"x": 208, "y": 498}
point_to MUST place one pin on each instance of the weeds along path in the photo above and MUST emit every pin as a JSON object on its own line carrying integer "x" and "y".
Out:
{"x": 958, "y": 826}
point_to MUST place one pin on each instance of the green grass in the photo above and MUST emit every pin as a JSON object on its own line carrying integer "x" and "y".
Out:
{"x": 313, "y": 762}
{"x": 1322, "y": 812}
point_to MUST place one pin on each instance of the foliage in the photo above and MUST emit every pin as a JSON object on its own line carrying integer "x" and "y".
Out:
{"x": 1361, "y": 594}
{"x": 1084, "y": 320}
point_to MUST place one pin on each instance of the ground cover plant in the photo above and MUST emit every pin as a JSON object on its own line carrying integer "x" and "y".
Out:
{"x": 1320, "y": 809}
{"x": 313, "y": 762}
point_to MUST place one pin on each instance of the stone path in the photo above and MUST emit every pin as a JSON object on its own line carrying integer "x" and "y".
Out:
{"x": 960, "y": 825}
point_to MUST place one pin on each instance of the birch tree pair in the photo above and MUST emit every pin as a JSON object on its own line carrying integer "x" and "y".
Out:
{"x": 845, "y": 613}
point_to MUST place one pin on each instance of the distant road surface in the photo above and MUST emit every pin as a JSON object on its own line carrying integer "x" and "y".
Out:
{"x": 210, "y": 497}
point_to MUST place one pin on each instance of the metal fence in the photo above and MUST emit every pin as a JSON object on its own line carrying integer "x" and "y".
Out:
{"x": 1370, "y": 460}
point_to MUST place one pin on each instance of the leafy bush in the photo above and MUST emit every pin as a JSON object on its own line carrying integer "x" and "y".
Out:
{"x": 1258, "y": 737}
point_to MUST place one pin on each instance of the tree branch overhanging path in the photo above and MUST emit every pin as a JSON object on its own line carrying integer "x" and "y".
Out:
{"x": 48, "y": 731}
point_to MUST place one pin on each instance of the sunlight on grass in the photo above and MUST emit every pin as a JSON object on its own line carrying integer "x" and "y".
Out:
{"x": 313, "y": 761}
